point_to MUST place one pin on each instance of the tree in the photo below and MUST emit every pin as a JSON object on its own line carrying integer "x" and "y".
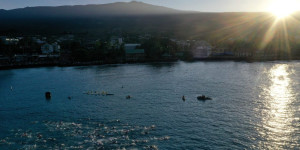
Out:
{"x": 27, "y": 45}
{"x": 1, "y": 47}
{"x": 156, "y": 47}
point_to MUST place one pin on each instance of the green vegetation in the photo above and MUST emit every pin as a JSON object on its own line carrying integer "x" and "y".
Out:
{"x": 85, "y": 52}
{"x": 158, "y": 48}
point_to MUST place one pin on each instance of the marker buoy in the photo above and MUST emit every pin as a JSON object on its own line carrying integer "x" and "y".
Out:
{"x": 48, "y": 95}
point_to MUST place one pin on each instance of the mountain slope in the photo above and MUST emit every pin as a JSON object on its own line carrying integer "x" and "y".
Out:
{"x": 135, "y": 18}
{"x": 113, "y": 9}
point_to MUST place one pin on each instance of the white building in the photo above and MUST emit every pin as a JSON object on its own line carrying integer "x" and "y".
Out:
{"x": 116, "y": 41}
{"x": 201, "y": 49}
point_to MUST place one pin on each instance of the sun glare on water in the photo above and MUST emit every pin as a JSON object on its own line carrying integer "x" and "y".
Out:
{"x": 284, "y": 8}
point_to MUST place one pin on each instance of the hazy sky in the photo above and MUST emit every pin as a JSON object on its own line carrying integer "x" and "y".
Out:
{"x": 198, "y": 5}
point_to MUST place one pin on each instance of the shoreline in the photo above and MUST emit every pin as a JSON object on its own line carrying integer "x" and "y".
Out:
{"x": 248, "y": 60}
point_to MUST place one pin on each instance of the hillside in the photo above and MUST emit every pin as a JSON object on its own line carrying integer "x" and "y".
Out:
{"x": 139, "y": 18}
{"x": 114, "y": 9}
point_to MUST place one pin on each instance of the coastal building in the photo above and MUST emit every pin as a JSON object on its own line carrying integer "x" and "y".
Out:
{"x": 116, "y": 41}
{"x": 56, "y": 47}
{"x": 201, "y": 49}
{"x": 47, "y": 48}
{"x": 67, "y": 37}
{"x": 243, "y": 53}
{"x": 9, "y": 41}
{"x": 39, "y": 41}
{"x": 134, "y": 53}
{"x": 182, "y": 43}
{"x": 166, "y": 56}
{"x": 264, "y": 54}
{"x": 90, "y": 45}
{"x": 260, "y": 53}
{"x": 50, "y": 48}
{"x": 20, "y": 58}
{"x": 221, "y": 52}
{"x": 179, "y": 55}
{"x": 144, "y": 37}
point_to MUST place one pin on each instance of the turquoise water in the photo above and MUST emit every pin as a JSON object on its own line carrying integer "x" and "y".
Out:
{"x": 254, "y": 106}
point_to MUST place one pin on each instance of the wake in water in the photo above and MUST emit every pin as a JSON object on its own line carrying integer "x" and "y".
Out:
{"x": 82, "y": 135}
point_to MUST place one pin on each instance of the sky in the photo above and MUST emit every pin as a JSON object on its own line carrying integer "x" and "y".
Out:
{"x": 195, "y": 5}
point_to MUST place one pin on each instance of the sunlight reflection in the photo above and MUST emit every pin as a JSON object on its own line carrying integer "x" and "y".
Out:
{"x": 280, "y": 94}
{"x": 278, "y": 116}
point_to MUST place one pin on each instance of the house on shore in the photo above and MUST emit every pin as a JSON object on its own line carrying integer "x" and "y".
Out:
{"x": 201, "y": 50}
{"x": 134, "y": 53}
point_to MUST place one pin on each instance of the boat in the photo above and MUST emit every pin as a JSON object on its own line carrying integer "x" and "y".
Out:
{"x": 203, "y": 98}
{"x": 48, "y": 95}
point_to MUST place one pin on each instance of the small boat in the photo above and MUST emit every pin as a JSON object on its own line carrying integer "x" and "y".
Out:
{"x": 128, "y": 97}
{"x": 110, "y": 94}
{"x": 203, "y": 98}
{"x": 48, "y": 95}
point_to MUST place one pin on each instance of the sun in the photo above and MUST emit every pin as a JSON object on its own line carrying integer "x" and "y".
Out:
{"x": 284, "y": 8}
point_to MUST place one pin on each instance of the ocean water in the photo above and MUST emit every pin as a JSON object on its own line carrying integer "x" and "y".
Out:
{"x": 254, "y": 106}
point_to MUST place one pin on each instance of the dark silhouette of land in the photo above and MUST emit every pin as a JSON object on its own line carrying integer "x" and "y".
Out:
{"x": 136, "y": 17}
{"x": 163, "y": 33}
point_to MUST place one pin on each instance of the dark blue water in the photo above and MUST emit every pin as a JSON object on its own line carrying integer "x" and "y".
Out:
{"x": 254, "y": 106}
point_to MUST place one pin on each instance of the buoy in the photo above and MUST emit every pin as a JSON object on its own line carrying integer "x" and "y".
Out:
{"x": 48, "y": 95}
{"x": 128, "y": 97}
{"x": 183, "y": 98}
